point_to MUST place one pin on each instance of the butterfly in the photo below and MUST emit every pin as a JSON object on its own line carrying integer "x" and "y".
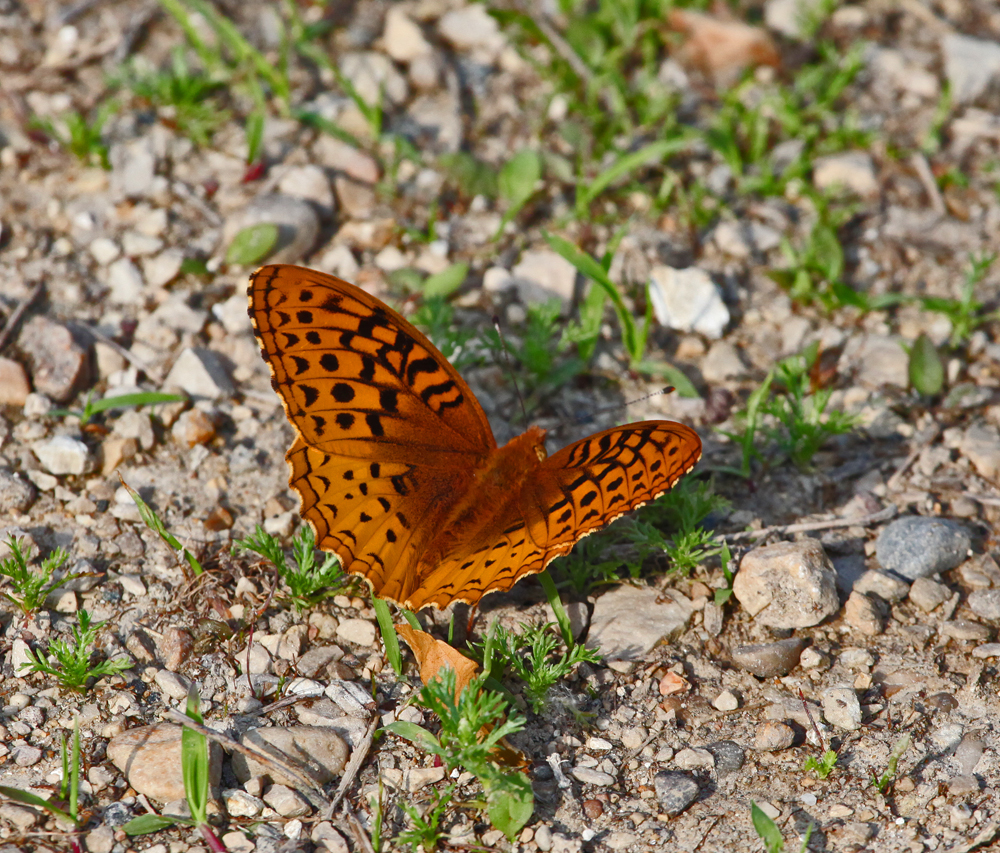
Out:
{"x": 397, "y": 468}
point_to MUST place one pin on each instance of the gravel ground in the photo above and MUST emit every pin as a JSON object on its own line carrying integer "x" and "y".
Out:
{"x": 868, "y": 597}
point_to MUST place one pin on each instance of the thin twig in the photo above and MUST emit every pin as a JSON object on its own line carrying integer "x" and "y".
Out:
{"x": 353, "y": 768}
{"x": 130, "y": 357}
{"x": 985, "y": 500}
{"x": 923, "y": 170}
{"x": 18, "y": 313}
{"x": 809, "y": 526}
{"x": 561, "y": 46}
{"x": 358, "y": 830}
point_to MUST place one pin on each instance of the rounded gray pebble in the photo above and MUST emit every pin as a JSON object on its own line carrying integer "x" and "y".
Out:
{"x": 16, "y": 494}
{"x": 773, "y": 736}
{"x": 985, "y": 603}
{"x": 729, "y": 756}
{"x": 916, "y": 547}
{"x": 675, "y": 791}
{"x": 767, "y": 660}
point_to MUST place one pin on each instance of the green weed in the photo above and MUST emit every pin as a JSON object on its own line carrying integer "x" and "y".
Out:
{"x": 69, "y": 787}
{"x": 93, "y": 407}
{"x": 436, "y": 317}
{"x": 308, "y": 582}
{"x": 424, "y": 832}
{"x": 965, "y": 313}
{"x": 154, "y": 523}
{"x": 184, "y": 98}
{"x": 768, "y": 832}
{"x": 72, "y": 667}
{"x": 724, "y": 593}
{"x": 81, "y": 137}
{"x": 459, "y": 744}
{"x": 882, "y": 783}
{"x": 822, "y": 766}
{"x": 531, "y": 655}
{"x": 30, "y": 588}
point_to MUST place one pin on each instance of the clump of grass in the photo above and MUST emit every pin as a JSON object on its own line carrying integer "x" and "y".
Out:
{"x": 532, "y": 654}
{"x": 28, "y": 587}
{"x": 92, "y": 407}
{"x": 308, "y": 581}
{"x": 71, "y": 666}
{"x": 472, "y": 728}
{"x": 79, "y": 135}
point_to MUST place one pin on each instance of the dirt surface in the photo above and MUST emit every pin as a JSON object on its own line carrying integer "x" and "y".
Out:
{"x": 98, "y": 294}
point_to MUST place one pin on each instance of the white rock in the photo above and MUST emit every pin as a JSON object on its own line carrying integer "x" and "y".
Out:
{"x": 163, "y": 268}
{"x": 721, "y": 362}
{"x": 358, "y": 631}
{"x": 471, "y": 27}
{"x": 542, "y": 274}
{"x": 374, "y": 77}
{"x": 126, "y": 282}
{"x": 135, "y": 244}
{"x": 842, "y": 708}
{"x": 786, "y": 16}
{"x": 970, "y": 64}
{"x": 200, "y": 373}
{"x": 310, "y": 183}
{"x": 687, "y": 300}
{"x": 402, "y": 38}
{"x": 233, "y": 314}
{"x": 104, "y": 250}
{"x": 744, "y": 238}
{"x": 726, "y": 701}
{"x": 133, "y": 168}
{"x": 62, "y": 455}
{"x": 853, "y": 170}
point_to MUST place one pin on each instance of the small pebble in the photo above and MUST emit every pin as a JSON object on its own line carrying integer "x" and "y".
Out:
{"x": 675, "y": 791}
{"x": 985, "y": 603}
{"x": 768, "y": 660}
{"x": 916, "y": 546}
{"x": 726, "y": 701}
{"x": 773, "y": 736}
{"x": 593, "y": 809}
{"x": 928, "y": 594}
{"x": 841, "y": 708}
{"x": 865, "y": 613}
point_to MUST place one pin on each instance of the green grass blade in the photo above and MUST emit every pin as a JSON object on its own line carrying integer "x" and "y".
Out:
{"x": 389, "y": 637}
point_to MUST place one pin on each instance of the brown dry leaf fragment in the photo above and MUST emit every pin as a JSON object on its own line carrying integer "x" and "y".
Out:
{"x": 432, "y": 655}
{"x": 722, "y": 50}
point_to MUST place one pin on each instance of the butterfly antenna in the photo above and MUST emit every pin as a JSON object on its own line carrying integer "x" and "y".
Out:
{"x": 617, "y": 406}
{"x": 510, "y": 367}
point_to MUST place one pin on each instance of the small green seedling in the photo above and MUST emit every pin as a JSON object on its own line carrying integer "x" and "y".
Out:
{"x": 154, "y": 523}
{"x": 72, "y": 668}
{"x": 424, "y": 832}
{"x": 308, "y": 581}
{"x": 966, "y": 313}
{"x": 768, "y": 832}
{"x": 925, "y": 367}
{"x": 823, "y": 766}
{"x": 748, "y": 423}
{"x": 531, "y": 655}
{"x": 83, "y": 138}
{"x": 252, "y": 244}
{"x": 93, "y": 407}
{"x": 436, "y": 317}
{"x": 378, "y": 817}
{"x": 30, "y": 588}
{"x": 195, "y": 770}
{"x": 509, "y": 798}
{"x": 882, "y": 783}
{"x": 69, "y": 788}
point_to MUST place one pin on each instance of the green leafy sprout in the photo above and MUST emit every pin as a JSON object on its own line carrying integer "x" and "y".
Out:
{"x": 81, "y": 137}
{"x": 155, "y": 523}
{"x": 71, "y": 666}
{"x": 460, "y": 744}
{"x": 882, "y": 783}
{"x": 531, "y": 655}
{"x": 308, "y": 581}
{"x": 768, "y": 832}
{"x": 28, "y": 587}
{"x": 822, "y": 766}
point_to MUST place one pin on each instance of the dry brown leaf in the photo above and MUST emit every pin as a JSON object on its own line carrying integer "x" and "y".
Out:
{"x": 722, "y": 50}
{"x": 433, "y": 654}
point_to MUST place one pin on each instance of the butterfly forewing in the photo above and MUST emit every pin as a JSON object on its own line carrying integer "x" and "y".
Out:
{"x": 352, "y": 372}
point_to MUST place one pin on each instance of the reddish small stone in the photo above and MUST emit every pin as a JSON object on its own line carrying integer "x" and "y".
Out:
{"x": 593, "y": 808}
{"x": 193, "y": 427}
{"x": 14, "y": 385}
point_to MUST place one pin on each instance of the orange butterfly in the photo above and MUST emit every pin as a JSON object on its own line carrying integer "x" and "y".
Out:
{"x": 395, "y": 463}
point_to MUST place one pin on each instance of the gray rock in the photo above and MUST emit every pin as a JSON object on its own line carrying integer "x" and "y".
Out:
{"x": 589, "y": 776}
{"x": 745, "y": 238}
{"x": 773, "y": 736}
{"x": 928, "y": 594}
{"x": 675, "y": 791}
{"x": 150, "y": 758}
{"x": 629, "y": 621}
{"x": 317, "y": 752}
{"x": 687, "y": 300}
{"x": 963, "y": 629}
{"x": 374, "y": 77}
{"x": 296, "y": 220}
{"x": 970, "y": 64}
{"x": 16, "y": 494}
{"x": 876, "y": 360}
{"x": 311, "y": 184}
{"x": 841, "y": 708}
{"x": 981, "y": 446}
{"x": 985, "y": 603}
{"x": 721, "y": 362}
{"x": 58, "y": 364}
{"x": 865, "y": 613}
{"x": 163, "y": 268}
{"x": 729, "y": 756}
{"x": 788, "y": 584}
{"x": 543, "y": 274}
{"x": 286, "y": 802}
{"x": 769, "y": 660}
{"x": 471, "y": 27}
{"x": 915, "y": 546}
{"x": 125, "y": 282}
{"x": 133, "y": 168}
{"x": 201, "y": 373}
{"x": 887, "y": 587}
{"x": 62, "y": 455}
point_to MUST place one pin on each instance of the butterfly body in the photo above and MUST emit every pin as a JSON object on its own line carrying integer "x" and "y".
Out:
{"x": 395, "y": 464}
